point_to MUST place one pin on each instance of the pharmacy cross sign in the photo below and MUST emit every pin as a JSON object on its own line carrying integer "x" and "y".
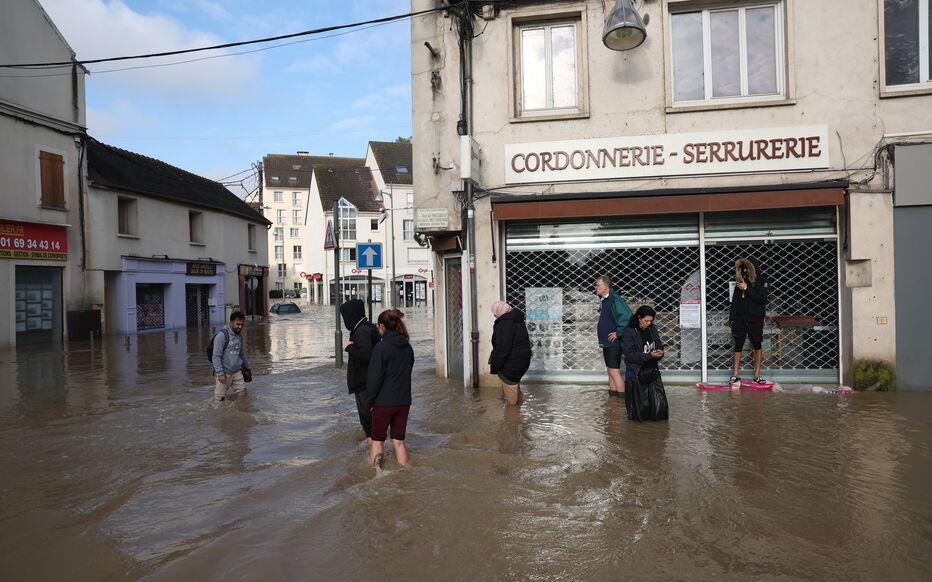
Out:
{"x": 369, "y": 255}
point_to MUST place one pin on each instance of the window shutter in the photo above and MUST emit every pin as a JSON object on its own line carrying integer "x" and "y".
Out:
{"x": 51, "y": 170}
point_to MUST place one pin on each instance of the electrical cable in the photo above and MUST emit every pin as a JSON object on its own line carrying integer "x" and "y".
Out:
{"x": 226, "y": 45}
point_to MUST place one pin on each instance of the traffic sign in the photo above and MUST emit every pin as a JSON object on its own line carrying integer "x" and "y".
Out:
{"x": 330, "y": 241}
{"x": 369, "y": 255}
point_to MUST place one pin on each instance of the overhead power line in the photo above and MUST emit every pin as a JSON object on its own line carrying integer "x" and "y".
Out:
{"x": 221, "y": 46}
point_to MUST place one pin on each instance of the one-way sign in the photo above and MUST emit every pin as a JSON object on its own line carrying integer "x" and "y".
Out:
{"x": 369, "y": 255}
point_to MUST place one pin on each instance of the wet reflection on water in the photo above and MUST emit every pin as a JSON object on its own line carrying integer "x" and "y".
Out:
{"x": 114, "y": 467}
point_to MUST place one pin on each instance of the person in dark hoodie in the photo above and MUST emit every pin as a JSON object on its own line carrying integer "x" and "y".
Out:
{"x": 388, "y": 387}
{"x": 746, "y": 315}
{"x": 363, "y": 336}
{"x": 511, "y": 350}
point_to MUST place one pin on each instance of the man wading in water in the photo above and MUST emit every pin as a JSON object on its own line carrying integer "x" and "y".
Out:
{"x": 614, "y": 314}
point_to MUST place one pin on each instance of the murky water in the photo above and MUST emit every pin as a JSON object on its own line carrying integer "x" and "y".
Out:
{"x": 113, "y": 467}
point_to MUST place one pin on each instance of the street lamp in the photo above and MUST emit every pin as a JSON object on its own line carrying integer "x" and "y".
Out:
{"x": 379, "y": 198}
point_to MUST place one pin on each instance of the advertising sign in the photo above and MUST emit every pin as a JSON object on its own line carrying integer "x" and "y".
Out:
{"x": 673, "y": 154}
{"x": 29, "y": 240}
{"x": 545, "y": 326}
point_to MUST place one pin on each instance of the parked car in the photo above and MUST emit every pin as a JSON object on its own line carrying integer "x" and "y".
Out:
{"x": 281, "y": 308}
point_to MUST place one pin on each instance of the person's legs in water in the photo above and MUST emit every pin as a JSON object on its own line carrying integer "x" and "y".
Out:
{"x": 238, "y": 383}
{"x": 736, "y": 366}
{"x": 758, "y": 358}
{"x": 365, "y": 417}
{"x": 615, "y": 382}
{"x": 399, "y": 423}
{"x": 511, "y": 390}
{"x": 380, "y": 422}
{"x": 220, "y": 388}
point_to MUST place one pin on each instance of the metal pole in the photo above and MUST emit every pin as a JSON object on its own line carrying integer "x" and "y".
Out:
{"x": 369, "y": 292}
{"x": 391, "y": 218}
{"x": 337, "y": 295}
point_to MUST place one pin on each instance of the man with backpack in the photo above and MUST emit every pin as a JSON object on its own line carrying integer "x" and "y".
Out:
{"x": 229, "y": 358}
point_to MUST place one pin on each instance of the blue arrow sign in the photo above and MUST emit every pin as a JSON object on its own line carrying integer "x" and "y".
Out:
{"x": 368, "y": 255}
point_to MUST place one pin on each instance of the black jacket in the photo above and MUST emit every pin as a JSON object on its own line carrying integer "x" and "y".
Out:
{"x": 511, "y": 347}
{"x": 633, "y": 346}
{"x": 751, "y": 303}
{"x": 364, "y": 336}
{"x": 389, "y": 382}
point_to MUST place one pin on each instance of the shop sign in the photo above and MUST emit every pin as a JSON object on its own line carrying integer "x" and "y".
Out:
{"x": 202, "y": 269}
{"x": 426, "y": 219}
{"x": 715, "y": 152}
{"x": 252, "y": 271}
{"x": 29, "y": 240}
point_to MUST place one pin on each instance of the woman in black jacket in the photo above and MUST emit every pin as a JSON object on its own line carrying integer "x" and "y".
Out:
{"x": 643, "y": 349}
{"x": 362, "y": 339}
{"x": 388, "y": 387}
{"x": 511, "y": 350}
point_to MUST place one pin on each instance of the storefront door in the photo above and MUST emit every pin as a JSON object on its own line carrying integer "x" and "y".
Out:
{"x": 38, "y": 305}
{"x": 150, "y": 306}
{"x": 197, "y": 312}
{"x": 453, "y": 286}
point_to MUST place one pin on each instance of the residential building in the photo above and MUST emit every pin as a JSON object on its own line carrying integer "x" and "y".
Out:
{"x": 167, "y": 248}
{"x": 793, "y": 132}
{"x": 354, "y": 189}
{"x": 286, "y": 183}
{"x": 407, "y": 260}
{"x": 42, "y": 151}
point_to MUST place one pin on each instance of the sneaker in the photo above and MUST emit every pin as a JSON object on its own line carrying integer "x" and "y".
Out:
{"x": 734, "y": 379}
{"x": 759, "y": 380}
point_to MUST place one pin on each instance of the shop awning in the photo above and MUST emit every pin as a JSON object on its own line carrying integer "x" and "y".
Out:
{"x": 664, "y": 202}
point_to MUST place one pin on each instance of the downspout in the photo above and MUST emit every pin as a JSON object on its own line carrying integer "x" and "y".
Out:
{"x": 471, "y": 210}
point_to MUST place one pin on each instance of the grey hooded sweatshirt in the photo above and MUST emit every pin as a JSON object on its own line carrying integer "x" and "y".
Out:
{"x": 233, "y": 358}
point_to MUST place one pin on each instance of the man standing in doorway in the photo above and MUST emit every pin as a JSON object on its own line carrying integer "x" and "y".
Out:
{"x": 746, "y": 316}
{"x": 613, "y": 317}
{"x": 229, "y": 359}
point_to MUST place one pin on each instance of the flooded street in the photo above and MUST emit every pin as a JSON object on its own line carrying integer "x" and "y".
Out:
{"x": 113, "y": 467}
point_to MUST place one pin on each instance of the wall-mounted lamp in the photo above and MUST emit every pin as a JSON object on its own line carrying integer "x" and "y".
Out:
{"x": 624, "y": 29}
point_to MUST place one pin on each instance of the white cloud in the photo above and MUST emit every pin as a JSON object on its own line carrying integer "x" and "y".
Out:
{"x": 120, "y": 117}
{"x": 388, "y": 98}
{"x": 351, "y": 123}
{"x": 101, "y": 28}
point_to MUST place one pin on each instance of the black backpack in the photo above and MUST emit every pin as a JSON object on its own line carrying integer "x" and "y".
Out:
{"x": 210, "y": 346}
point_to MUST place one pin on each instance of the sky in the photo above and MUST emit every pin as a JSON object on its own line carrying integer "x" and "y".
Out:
{"x": 217, "y": 117}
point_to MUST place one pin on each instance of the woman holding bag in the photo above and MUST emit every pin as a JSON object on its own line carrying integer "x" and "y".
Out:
{"x": 645, "y": 399}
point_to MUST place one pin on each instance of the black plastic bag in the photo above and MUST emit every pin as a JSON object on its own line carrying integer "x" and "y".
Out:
{"x": 646, "y": 401}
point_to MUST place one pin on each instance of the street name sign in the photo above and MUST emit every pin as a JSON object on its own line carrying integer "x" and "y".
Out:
{"x": 369, "y": 255}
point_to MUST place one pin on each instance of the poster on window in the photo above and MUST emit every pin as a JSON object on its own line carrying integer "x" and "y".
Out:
{"x": 544, "y": 318}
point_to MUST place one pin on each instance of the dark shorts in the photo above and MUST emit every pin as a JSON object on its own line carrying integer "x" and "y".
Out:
{"x": 612, "y": 355}
{"x": 384, "y": 417}
{"x": 742, "y": 330}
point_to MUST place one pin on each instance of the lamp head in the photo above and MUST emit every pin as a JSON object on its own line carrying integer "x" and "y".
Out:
{"x": 624, "y": 29}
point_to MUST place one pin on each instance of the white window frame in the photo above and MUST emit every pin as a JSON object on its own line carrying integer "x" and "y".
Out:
{"x": 296, "y": 217}
{"x": 296, "y": 199}
{"x": 373, "y": 224}
{"x": 348, "y": 216}
{"x": 925, "y": 61}
{"x": 296, "y": 251}
{"x": 278, "y": 234}
{"x": 279, "y": 285}
{"x": 280, "y": 252}
{"x": 297, "y": 268}
{"x": 535, "y": 16}
{"x": 278, "y": 195}
{"x": 783, "y": 52}
{"x": 294, "y": 232}
{"x": 281, "y": 216}
{"x": 407, "y": 233}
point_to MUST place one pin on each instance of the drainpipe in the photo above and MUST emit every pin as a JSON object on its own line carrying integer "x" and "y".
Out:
{"x": 471, "y": 217}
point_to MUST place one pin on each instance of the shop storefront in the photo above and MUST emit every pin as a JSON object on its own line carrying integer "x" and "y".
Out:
{"x": 357, "y": 287}
{"x": 153, "y": 294}
{"x": 253, "y": 290}
{"x": 36, "y": 250}
{"x": 411, "y": 290}
{"x": 681, "y": 263}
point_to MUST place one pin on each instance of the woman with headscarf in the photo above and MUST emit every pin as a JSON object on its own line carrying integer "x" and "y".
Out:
{"x": 511, "y": 350}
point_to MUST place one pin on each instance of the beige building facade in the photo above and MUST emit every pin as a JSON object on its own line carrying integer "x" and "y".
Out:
{"x": 42, "y": 154}
{"x": 761, "y": 129}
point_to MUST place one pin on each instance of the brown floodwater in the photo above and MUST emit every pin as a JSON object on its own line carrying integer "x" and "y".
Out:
{"x": 113, "y": 467}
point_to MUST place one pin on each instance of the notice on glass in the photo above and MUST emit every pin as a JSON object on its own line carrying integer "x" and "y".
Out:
{"x": 545, "y": 326}
{"x": 690, "y": 314}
